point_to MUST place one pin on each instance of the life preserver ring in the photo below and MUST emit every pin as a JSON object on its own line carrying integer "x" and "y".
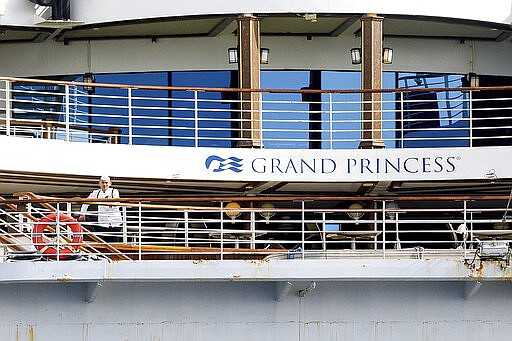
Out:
{"x": 49, "y": 249}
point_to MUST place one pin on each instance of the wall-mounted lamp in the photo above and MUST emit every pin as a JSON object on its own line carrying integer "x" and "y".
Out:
{"x": 233, "y": 210}
{"x": 311, "y": 17}
{"x": 233, "y": 55}
{"x": 387, "y": 55}
{"x": 474, "y": 80}
{"x": 89, "y": 78}
{"x": 268, "y": 212}
{"x": 264, "y": 55}
{"x": 491, "y": 175}
{"x": 355, "y": 55}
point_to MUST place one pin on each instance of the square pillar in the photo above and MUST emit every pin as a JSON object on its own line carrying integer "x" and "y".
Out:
{"x": 249, "y": 78}
{"x": 371, "y": 28}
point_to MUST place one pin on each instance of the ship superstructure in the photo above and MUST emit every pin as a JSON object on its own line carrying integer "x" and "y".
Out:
{"x": 293, "y": 171}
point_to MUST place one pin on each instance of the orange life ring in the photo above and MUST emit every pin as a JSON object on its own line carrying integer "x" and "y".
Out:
{"x": 50, "y": 250}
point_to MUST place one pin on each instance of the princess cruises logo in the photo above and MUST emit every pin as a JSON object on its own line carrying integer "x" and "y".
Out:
{"x": 297, "y": 165}
{"x": 219, "y": 164}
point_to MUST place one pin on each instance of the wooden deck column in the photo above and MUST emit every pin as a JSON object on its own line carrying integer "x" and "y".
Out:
{"x": 249, "y": 78}
{"x": 371, "y": 35}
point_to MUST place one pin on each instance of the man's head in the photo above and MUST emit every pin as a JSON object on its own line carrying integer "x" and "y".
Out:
{"x": 105, "y": 182}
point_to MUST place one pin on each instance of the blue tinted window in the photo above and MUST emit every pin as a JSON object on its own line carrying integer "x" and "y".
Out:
{"x": 285, "y": 111}
{"x": 212, "y": 116}
{"x": 149, "y": 108}
{"x": 433, "y": 118}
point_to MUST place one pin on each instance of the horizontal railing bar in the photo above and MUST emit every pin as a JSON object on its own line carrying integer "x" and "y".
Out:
{"x": 216, "y": 89}
{"x": 261, "y": 199}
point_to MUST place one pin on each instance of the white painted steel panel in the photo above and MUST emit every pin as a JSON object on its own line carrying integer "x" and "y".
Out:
{"x": 232, "y": 311}
{"x": 100, "y": 10}
{"x": 185, "y": 54}
{"x": 21, "y": 12}
{"x": 257, "y": 165}
{"x": 247, "y": 271}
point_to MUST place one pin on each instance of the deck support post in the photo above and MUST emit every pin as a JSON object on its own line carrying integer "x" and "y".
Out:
{"x": 249, "y": 78}
{"x": 92, "y": 289}
{"x": 371, "y": 73}
{"x": 471, "y": 288}
{"x": 282, "y": 289}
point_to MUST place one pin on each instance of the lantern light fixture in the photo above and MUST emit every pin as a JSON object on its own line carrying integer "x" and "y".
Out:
{"x": 355, "y": 55}
{"x": 89, "y": 78}
{"x": 264, "y": 55}
{"x": 267, "y": 211}
{"x": 474, "y": 80}
{"x": 233, "y": 55}
{"x": 356, "y": 211}
{"x": 232, "y": 210}
{"x": 387, "y": 55}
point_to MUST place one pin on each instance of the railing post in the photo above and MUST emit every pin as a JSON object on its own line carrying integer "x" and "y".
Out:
{"x": 114, "y": 135}
{"x": 140, "y": 230}
{"x": 253, "y": 229}
{"x": 303, "y": 228}
{"x": 221, "y": 230}
{"x": 464, "y": 233}
{"x": 185, "y": 217}
{"x": 471, "y": 118}
{"x": 8, "y": 112}
{"x": 67, "y": 112}
{"x": 383, "y": 229}
{"x": 130, "y": 117}
{"x": 125, "y": 226}
{"x": 47, "y": 128}
{"x": 330, "y": 122}
{"x": 21, "y": 209}
{"x": 57, "y": 230}
{"x": 324, "y": 239}
{"x": 401, "y": 120}
{"x": 471, "y": 236}
{"x": 375, "y": 224}
{"x": 196, "y": 117}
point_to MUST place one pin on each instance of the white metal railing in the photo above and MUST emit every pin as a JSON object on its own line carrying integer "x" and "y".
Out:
{"x": 194, "y": 117}
{"x": 159, "y": 229}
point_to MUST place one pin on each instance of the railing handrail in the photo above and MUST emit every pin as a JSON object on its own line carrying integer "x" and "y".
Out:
{"x": 187, "y": 116}
{"x": 302, "y": 225}
{"x": 49, "y": 207}
{"x": 48, "y": 199}
{"x": 217, "y": 89}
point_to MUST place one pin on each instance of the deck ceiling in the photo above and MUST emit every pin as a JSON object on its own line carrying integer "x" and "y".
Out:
{"x": 326, "y": 25}
{"x": 79, "y": 186}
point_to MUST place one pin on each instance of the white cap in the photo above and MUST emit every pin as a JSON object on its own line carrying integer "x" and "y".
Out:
{"x": 105, "y": 178}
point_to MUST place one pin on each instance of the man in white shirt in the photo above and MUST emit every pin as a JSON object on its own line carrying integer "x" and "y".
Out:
{"x": 109, "y": 217}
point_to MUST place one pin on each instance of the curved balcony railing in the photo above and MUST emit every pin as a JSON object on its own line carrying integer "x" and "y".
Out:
{"x": 256, "y": 228}
{"x": 215, "y": 117}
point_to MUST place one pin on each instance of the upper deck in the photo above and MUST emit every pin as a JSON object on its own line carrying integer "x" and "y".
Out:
{"x": 181, "y": 141}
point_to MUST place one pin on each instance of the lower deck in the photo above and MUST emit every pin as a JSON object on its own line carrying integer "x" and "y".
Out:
{"x": 39, "y": 228}
{"x": 288, "y": 299}
{"x": 301, "y": 269}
